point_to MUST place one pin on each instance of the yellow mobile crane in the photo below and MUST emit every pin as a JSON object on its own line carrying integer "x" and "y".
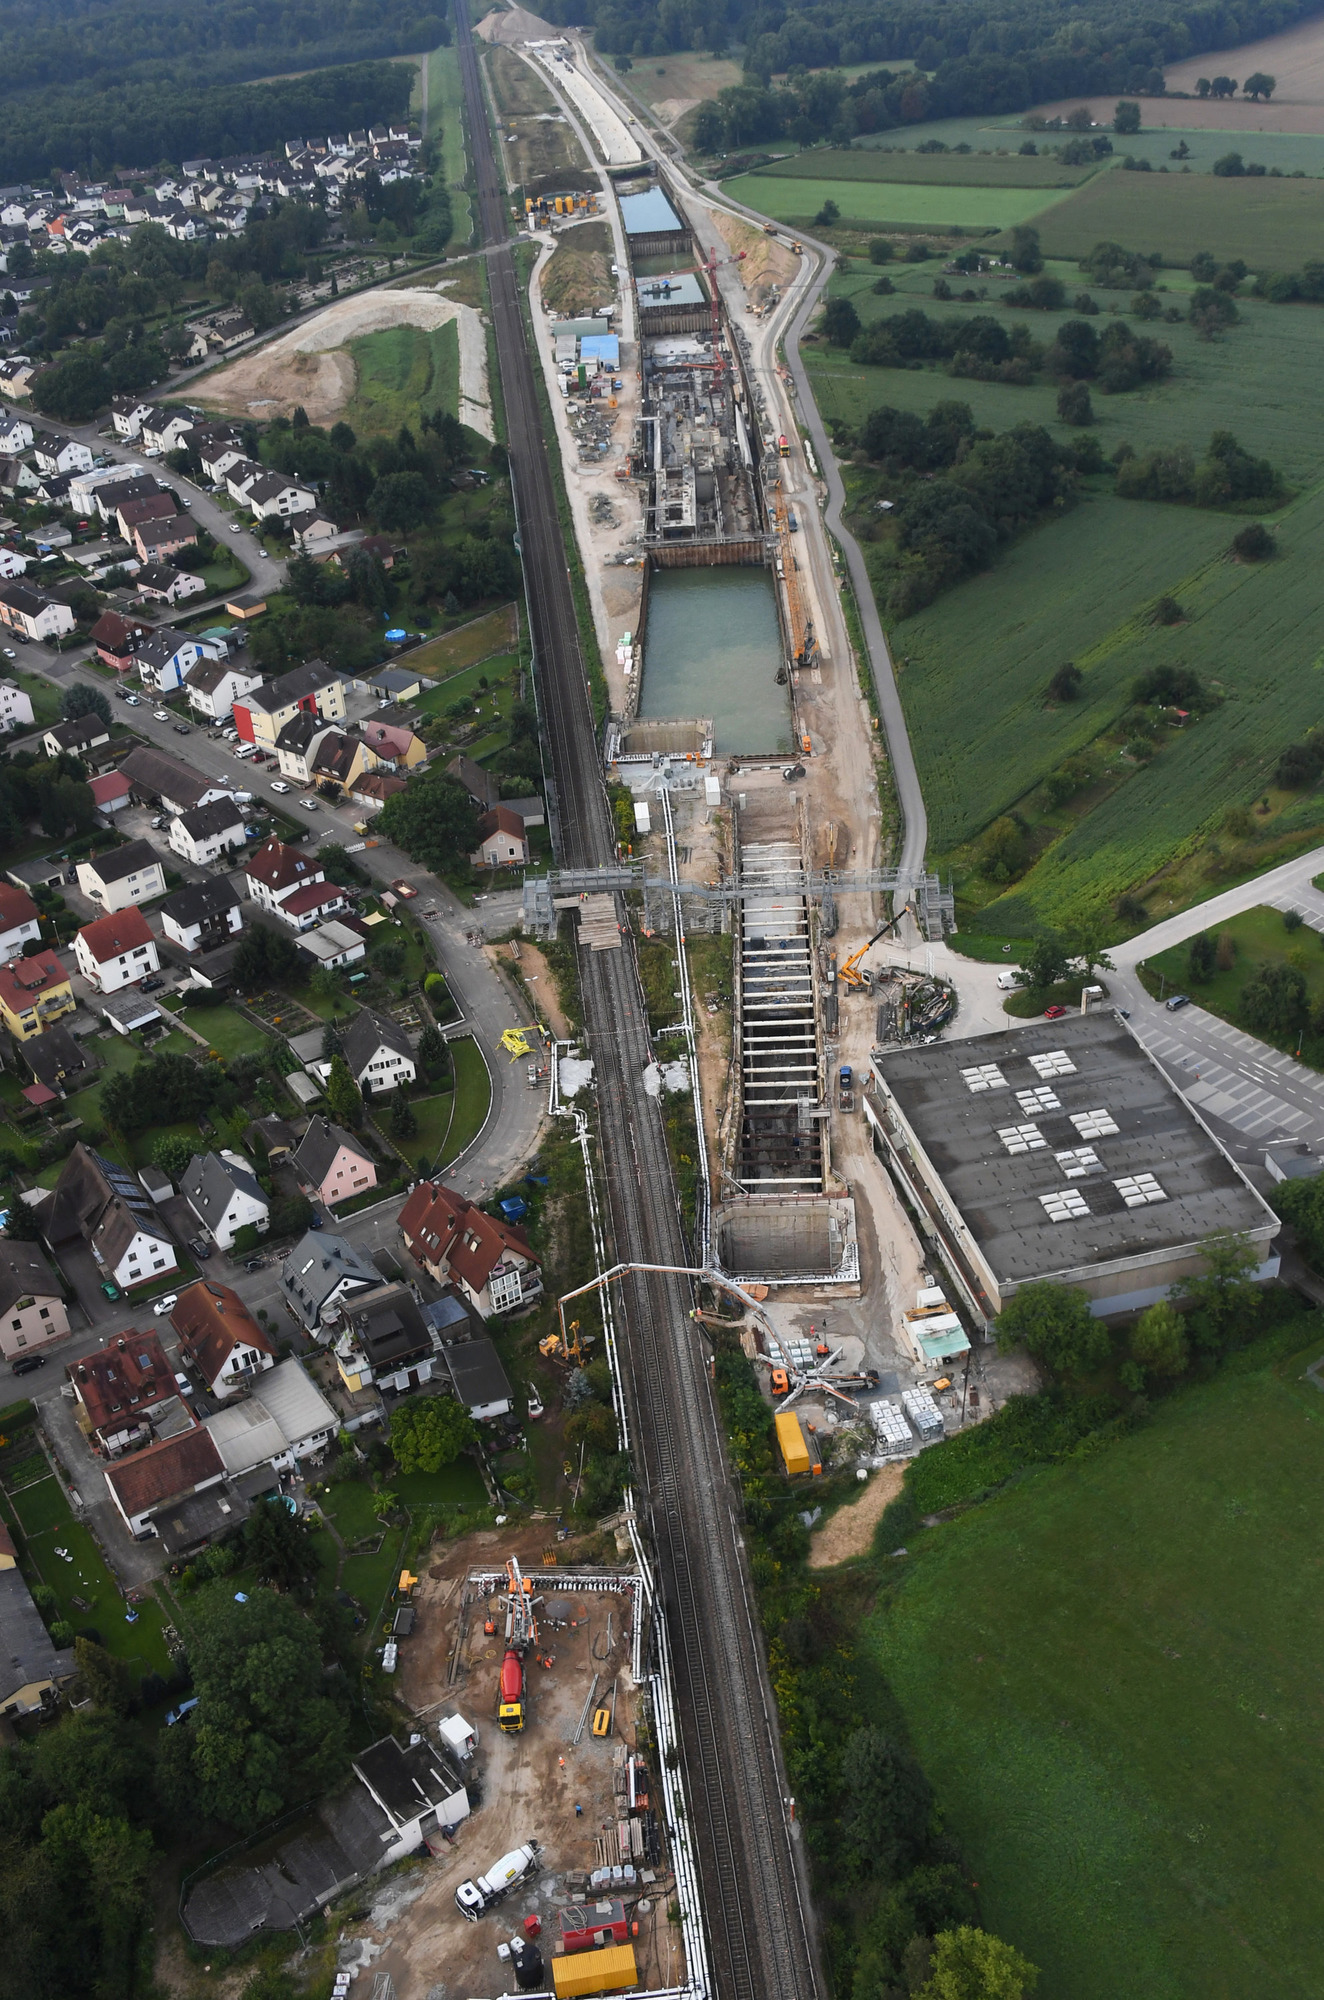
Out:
{"x": 862, "y": 980}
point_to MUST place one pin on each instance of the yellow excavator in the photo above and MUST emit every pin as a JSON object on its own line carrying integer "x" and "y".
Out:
{"x": 564, "y": 1347}
{"x": 859, "y": 980}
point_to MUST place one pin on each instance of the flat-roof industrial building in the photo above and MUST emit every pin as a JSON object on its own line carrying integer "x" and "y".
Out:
{"x": 1059, "y": 1150}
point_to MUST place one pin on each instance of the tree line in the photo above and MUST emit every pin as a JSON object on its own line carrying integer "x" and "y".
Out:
{"x": 93, "y": 128}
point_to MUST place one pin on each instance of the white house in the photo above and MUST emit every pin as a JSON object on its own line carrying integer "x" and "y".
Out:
{"x": 223, "y": 1193}
{"x": 219, "y": 1337}
{"x": 19, "y": 921}
{"x": 15, "y": 707}
{"x": 76, "y": 736}
{"x": 31, "y": 611}
{"x": 208, "y": 832}
{"x": 116, "y": 951}
{"x": 15, "y": 436}
{"x": 162, "y": 429}
{"x": 292, "y": 885}
{"x": 333, "y": 945}
{"x": 166, "y": 585}
{"x": 275, "y": 496}
{"x": 130, "y": 874}
{"x": 213, "y": 686}
{"x": 378, "y": 1053}
{"x": 127, "y": 413}
{"x": 58, "y": 454}
{"x": 12, "y": 564}
{"x": 165, "y": 658}
{"x": 202, "y": 913}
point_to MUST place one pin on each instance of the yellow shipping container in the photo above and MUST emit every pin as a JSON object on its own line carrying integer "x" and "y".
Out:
{"x": 792, "y": 1441}
{"x": 609, "y": 1971}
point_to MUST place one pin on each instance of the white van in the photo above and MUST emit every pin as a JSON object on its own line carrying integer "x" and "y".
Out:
{"x": 1008, "y": 980}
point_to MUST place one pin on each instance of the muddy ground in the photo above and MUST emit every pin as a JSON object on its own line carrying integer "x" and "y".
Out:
{"x": 525, "y": 1787}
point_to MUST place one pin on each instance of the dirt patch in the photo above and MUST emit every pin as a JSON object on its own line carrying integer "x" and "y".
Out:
{"x": 578, "y": 278}
{"x": 850, "y": 1532}
{"x": 516, "y": 24}
{"x": 308, "y": 365}
{"x": 530, "y": 1784}
{"x": 672, "y": 109}
{"x": 766, "y": 261}
{"x": 534, "y": 968}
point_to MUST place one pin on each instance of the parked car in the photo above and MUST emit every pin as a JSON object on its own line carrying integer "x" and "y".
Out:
{"x": 158, "y": 822}
{"x": 309, "y": 805}
{"x": 1177, "y": 1000}
{"x": 235, "y": 528}
{"x": 403, "y": 889}
{"x": 182, "y": 729}
{"x": 110, "y": 1288}
{"x": 182, "y": 1383}
{"x": 134, "y": 700}
{"x": 159, "y": 715}
{"x": 181, "y": 1713}
{"x": 26, "y": 1363}
{"x": 1054, "y": 1013}
{"x": 167, "y": 1304}
{"x": 278, "y": 786}
{"x": 151, "y": 984}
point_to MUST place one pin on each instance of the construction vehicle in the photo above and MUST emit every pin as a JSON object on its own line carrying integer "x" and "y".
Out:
{"x": 863, "y": 981}
{"x": 565, "y": 1346}
{"x": 521, "y": 1633}
{"x": 845, "y": 1089}
{"x": 711, "y": 266}
{"x": 472, "y": 1898}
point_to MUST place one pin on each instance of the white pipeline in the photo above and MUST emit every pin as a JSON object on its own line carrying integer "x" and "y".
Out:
{"x": 704, "y": 1204}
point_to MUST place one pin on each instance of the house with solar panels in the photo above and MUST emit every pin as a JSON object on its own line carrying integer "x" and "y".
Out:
{"x": 1058, "y": 1150}
{"x": 103, "y": 1205}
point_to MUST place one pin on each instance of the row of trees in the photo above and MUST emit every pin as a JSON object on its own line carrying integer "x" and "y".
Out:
{"x": 1225, "y": 477}
{"x": 983, "y": 348}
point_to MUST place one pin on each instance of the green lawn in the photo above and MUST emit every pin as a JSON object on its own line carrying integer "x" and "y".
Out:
{"x": 45, "y": 699}
{"x": 370, "y": 1578}
{"x": 434, "y": 1121}
{"x": 947, "y": 170}
{"x": 459, "y": 1482}
{"x": 229, "y": 1032}
{"x": 473, "y": 1097}
{"x": 474, "y": 641}
{"x": 403, "y": 372}
{"x": 788, "y": 199}
{"x": 1111, "y": 1676}
{"x": 1274, "y": 225}
{"x": 446, "y": 108}
{"x": 1261, "y": 938}
{"x": 47, "y": 1523}
{"x": 466, "y": 685}
{"x": 352, "y": 1505}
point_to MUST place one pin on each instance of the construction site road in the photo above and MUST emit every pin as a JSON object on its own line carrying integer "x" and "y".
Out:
{"x": 755, "y": 1908}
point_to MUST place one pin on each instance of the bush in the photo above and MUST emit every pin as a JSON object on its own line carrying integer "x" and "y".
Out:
{"x": 1254, "y": 544}
{"x": 880, "y": 251}
{"x": 62, "y": 1633}
{"x": 1055, "y": 1324}
{"x": 1074, "y": 405}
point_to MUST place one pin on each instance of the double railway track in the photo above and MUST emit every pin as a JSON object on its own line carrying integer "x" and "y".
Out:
{"x": 755, "y": 1903}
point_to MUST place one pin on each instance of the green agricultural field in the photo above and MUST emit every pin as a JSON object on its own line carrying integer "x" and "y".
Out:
{"x": 468, "y": 644}
{"x": 867, "y": 202}
{"x": 1290, "y": 152}
{"x": 403, "y": 372}
{"x": 977, "y": 170}
{"x": 1261, "y": 938}
{"x": 1110, "y": 1672}
{"x": 1274, "y": 225}
{"x": 439, "y": 697}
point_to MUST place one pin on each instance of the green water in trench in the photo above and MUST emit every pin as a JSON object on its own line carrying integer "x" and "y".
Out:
{"x": 712, "y": 647}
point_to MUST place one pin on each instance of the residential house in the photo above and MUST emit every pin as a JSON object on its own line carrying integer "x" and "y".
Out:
{"x": 121, "y": 1391}
{"x": 261, "y": 715}
{"x": 105, "y": 1206}
{"x": 386, "y": 1341}
{"x": 127, "y": 413}
{"x": 202, "y": 914}
{"x": 115, "y": 951}
{"x": 491, "y": 1261}
{"x": 110, "y": 793}
{"x": 34, "y": 992}
{"x": 394, "y": 745}
{"x": 284, "y": 1419}
{"x": 275, "y": 496}
{"x": 214, "y": 685}
{"x": 77, "y": 736}
{"x": 332, "y": 1164}
{"x": 115, "y": 638}
{"x": 374, "y": 788}
{"x": 12, "y": 564}
{"x": 157, "y": 777}
{"x": 166, "y": 655}
{"x": 19, "y": 920}
{"x": 35, "y": 1667}
{"x": 55, "y": 1058}
{"x": 41, "y": 617}
{"x": 378, "y": 1052}
{"x": 219, "y": 1337}
{"x": 162, "y": 1478}
{"x": 33, "y": 1315}
{"x": 129, "y": 874}
{"x": 17, "y": 479}
{"x": 478, "y": 1379}
{"x": 240, "y": 476}
{"x": 158, "y": 505}
{"x": 219, "y": 453}
{"x": 205, "y": 833}
{"x": 312, "y": 533}
{"x": 157, "y": 580}
{"x": 164, "y": 427}
{"x": 59, "y": 454}
{"x": 154, "y": 541}
{"x": 15, "y": 707}
{"x": 484, "y": 790}
{"x": 223, "y": 1193}
{"x": 333, "y": 945}
{"x": 320, "y": 1273}
{"x": 292, "y": 885}
{"x": 502, "y": 841}
{"x": 297, "y": 744}
{"x": 128, "y": 487}
{"x": 15, "y": 436}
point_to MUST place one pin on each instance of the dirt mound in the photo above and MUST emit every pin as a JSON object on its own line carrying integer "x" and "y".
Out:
{"x": 767, "y": 262}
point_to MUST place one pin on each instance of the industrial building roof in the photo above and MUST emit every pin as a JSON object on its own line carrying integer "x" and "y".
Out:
{"x": 646, "y": 214}
{"x": 604, "y": 347}
{"x": 1064, "y": 1146}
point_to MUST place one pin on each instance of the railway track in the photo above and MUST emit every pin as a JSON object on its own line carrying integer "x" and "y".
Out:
{"x": 755, "y": 1902}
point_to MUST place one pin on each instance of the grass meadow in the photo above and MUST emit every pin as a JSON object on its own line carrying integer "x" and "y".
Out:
{"x": 1274, "y": 225}
{"x": 1260, "y": 938}
{"x": 1080, "y": 588}
{"x": 993, "y": 170}
{"x": 1110, "y": 1672}
{"x": 402, "y": 373}
{"x": 446, "y": 106}
{"x": 788, "y": 199}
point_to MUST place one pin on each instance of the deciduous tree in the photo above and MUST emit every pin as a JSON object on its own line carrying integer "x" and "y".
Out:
{"x": 969, "y": 1964}
{"x": 1055, "y": 1324}
{"x": 1158, "y": 1341}
{"x": 430, "y": 1432}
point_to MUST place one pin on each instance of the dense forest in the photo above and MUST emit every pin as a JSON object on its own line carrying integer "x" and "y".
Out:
{"x": 147, "y": 124}
{"x": 983, "y": 60}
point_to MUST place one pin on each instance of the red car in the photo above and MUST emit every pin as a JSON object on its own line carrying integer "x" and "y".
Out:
{"x": 1054, "y": 1013}
{"x": 403, "y": 889}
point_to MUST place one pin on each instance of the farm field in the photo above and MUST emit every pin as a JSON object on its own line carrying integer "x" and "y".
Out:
{"x": 1261, "y": 938}
{"x": 402, "y": 373}
{"x": 1135, "y": 1636}
{"x": 683, "y": 74}
{"x": 999, "y": 170}
{"x": 789, "y": 200}
{"x": 1289, "y": 152}
{"x": 1273, "y": 225}
{"x": 1295, "y": 57}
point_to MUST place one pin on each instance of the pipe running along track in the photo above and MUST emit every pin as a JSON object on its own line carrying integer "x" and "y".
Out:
{"x": 756, "y": 1910}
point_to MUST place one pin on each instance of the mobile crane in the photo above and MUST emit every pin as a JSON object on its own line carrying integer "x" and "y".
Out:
{"x": 862, "y": 980}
